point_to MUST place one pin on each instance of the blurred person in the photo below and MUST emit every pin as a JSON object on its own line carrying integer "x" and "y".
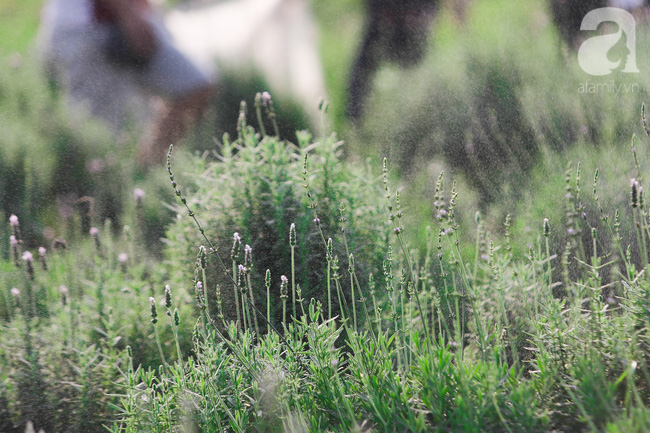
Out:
{"x": 105, "y": 52}
{"x": 568, "y": 15}
{"x": 395, "y": 30}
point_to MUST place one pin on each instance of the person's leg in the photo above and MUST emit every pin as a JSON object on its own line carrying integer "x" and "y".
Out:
{"x": 186, "y": 90}
{"x": 370, "y": 55}
{"x": 170, "y": 124}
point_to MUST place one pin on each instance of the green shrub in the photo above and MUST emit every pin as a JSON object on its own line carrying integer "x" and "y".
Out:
{"x": 497, "y": 347}
{"x": 66, "y": 320}
{"x": 257, "y": 190}
{"x": 50, "y": 159}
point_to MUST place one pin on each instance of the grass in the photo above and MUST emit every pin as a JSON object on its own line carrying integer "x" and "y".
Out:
{"x": 485, "y": 98}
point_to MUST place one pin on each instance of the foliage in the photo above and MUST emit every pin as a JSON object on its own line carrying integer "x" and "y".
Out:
{"x": 66, "y": 317}
{"x": 494, "y": 343}
{"x": 510, "y": 337}
{"x": 262, "y": 189}
{"x": 20, "y": 28}
{"x": 48, "y": 161}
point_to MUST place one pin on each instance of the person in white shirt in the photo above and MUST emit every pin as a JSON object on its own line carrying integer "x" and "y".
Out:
{"x": 105, "y": 52}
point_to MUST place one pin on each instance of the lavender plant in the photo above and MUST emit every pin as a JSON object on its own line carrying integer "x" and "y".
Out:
{"x": 255, "y": 194}
{"x": 503, "y": 344}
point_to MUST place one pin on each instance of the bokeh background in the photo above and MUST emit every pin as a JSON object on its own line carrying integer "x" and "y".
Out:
{"x": 495, "y": 104}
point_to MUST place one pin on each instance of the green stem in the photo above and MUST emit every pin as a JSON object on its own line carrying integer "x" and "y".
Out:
{"x": 178, "y": 346}
{"x": 640, "y": 234}
{"x": 377, "y": 318}
{"x": 329, "y": 288}
{"x": 417, "y": 297}
{"x": 284, "y": 312}
{"x": 234, "y": 279}
{"x": 470, "y": 294}
{"x": 159, "y": 346}
{"x": 293, "y": 281}
{"x": 205, "y": 289}
{"x": 247, "y": 311}
{"x": 354, "y": 308}
{"x": 260, "y": 121}
{"x": 550, "y": 269}
{"x": 341, "y": 300}
{"x": 250, "y": 293}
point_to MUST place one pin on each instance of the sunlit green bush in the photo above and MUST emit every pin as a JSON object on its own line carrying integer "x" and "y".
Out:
{"x": 493, "y": 341}
{"x": 258, "y": 190}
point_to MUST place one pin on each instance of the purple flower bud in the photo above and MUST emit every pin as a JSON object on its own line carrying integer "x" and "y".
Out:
{"x": 15, "y": 292}
{"x": 284, "y": 282}
{"x": 94, "y": 231}
{"x": 13, "y": 220}
{"x": 154, "y": 312}
{"x": 546, "y": 228}
{"x": 168, "y": 296}
{"x": 138, "y": 194}
{"x": 635, "y": 192}
{"x": 27, "y": 256}
{"x": 292, "y": 235}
